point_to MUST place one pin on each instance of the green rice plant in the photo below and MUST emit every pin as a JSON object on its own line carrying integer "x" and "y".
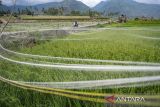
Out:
{"x": 125, "y": 45}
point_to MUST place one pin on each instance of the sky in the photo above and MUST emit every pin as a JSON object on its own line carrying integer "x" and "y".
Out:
{"x": 90, "y": 3}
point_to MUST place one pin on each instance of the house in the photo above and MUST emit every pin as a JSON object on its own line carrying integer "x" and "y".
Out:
{"x": 122, "y": 19}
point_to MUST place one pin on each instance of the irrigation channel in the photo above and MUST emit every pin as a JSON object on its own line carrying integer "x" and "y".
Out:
{"x": 61, "y": 88}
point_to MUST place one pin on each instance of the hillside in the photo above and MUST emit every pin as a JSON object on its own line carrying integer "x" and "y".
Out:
{"x": 129, "y": 7}
{"x": 69, "y": 5}
{"x": 3, "y": 8}
{"x": 110, "y": 7}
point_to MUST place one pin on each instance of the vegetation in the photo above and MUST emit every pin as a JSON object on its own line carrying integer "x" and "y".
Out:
{"x": 114, "y": 44}
{"x": 45, "y": 24}
{"x": 107, "y": 44}
{"x": 56, "y": 18}
{"x": 138, "y": 23}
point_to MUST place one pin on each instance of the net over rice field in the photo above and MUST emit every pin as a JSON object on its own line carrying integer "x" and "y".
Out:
{"x": 48, "y": 63}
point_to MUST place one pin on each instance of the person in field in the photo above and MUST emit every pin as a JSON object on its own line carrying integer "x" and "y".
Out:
{"x": 75, "y": 24}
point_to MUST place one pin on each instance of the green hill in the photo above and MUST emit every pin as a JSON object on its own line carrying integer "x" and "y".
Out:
{"x": 129, "y": 7}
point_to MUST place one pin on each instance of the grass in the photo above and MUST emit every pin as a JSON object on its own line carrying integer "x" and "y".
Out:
{"x": 138, "y": 23}
{"x": 55, "y": 17}
{"x": 69, "y": 18}
{"x": 37, "y": 25}
{"x": 107, "y": 44}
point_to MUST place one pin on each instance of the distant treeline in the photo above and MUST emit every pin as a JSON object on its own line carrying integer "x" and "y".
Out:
{"x": 50, "y": 11}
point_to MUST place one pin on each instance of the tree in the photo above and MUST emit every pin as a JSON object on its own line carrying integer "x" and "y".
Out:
{"x": 52, "y": 11}
{"x": 61, "y": 11}
{"x": 0, "y": 2}
{"x": 29, "y": 12}
{"x": 43, "y": 10}
{"x": 19, "y": 11}
{"x": 36, "y": 9}
{"x": 75, "y": 13}
{"x": 94, "y": 14}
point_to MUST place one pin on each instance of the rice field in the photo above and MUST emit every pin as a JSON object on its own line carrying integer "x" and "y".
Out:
{"x": 39, "y": 25}
{"x": 98, "y": 47}
{"x": 124, "y": 45}
{"x": 55, "y": 17}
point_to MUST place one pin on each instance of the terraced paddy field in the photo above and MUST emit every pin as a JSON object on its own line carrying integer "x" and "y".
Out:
{"x": 44, "y": 24}
{"x": 83, "y": 68}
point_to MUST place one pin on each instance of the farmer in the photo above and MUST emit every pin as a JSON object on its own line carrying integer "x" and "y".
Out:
{"x": 75, "y": 24}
